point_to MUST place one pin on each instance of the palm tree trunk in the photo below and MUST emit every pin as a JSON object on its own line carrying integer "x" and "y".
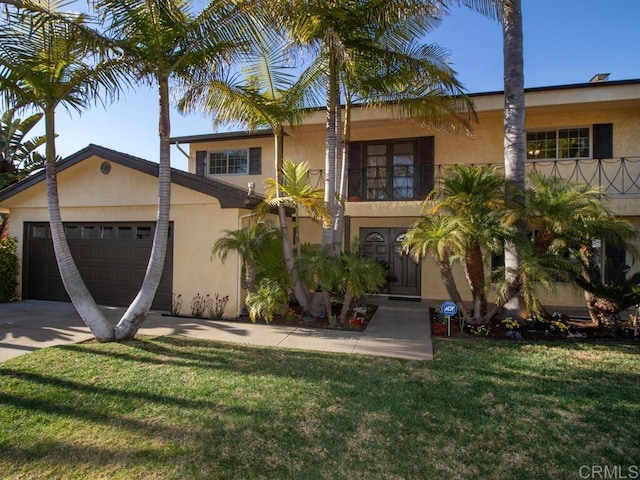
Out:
{"x": 474, "y": 272}
{"x": 450, "y": 284}
{"x": 82, "y": 300}
{"x": 330, "y": 154}
{"x": 344, "y": 165}
{"x": 514, "y": 132}
{"x": 139, "y": 309}
{"x": 299, "y": 290}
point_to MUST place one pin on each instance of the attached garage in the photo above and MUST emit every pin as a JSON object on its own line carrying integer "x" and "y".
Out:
{"x": 108, "y": 203}
{"x": 111, "y": 257}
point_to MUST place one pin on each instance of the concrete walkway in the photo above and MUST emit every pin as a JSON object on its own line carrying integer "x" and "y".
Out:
{"x": 398, "y": 329}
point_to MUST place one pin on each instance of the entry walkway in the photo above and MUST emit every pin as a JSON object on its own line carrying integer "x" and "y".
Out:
{"x": 398, "y": 329}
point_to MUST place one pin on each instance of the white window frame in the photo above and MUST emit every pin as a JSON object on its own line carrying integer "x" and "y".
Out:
{"x": 227, "y": 152}
{"x": 533, "y": 155}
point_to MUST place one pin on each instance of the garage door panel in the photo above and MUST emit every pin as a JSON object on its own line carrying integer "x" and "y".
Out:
{"x": 112, "y": 260}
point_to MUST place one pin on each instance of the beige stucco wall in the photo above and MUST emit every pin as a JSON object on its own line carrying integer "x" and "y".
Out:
{"x": 126, "y": 195}
{"x": 546, "y": 108}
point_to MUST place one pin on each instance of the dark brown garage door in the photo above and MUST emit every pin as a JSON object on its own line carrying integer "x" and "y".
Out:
{"x": 112, "y": 259}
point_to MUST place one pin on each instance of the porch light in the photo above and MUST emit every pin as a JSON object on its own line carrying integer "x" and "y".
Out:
{"x": 251, "y": 186}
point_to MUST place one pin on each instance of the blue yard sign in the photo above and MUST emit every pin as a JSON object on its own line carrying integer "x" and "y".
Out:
{"x": 449, "y": 308}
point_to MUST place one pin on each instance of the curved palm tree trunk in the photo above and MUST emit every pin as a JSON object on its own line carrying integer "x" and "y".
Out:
{"x": 82, "y": 300}
{"x": 299, "y": 290}
{"x": 514, "y": 132}
{"x": 450, "y": 284}
{"x": 139, "y": 308}
{"x": 474, "y": 272}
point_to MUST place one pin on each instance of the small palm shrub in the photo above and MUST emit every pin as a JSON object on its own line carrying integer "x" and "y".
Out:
{"x": 266, "y": 301}
{"x": 8, "y": 269}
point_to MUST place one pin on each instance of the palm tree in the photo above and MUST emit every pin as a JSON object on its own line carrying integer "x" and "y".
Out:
{"x": 18, "y": 156}
{"x": 359, "y": 275}
{"x": 49, "y": 59}
{"x": 369, "y": 53}
{"x": 514, "y": 125}
{"x": 162, "y": 40}
{"x": 249, "y": 243}
{"x": 266, "y": 95}
{"x": 569, "y": 217}
{"x": 442, "y": 237}
{"x": 296, "y": 192}
{"x": 475, "y": 196}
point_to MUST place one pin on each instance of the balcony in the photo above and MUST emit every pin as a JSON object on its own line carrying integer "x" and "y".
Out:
{"x": 617, "y": 177}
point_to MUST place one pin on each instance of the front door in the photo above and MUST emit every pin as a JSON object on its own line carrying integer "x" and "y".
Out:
{"x": 385, "y": 245}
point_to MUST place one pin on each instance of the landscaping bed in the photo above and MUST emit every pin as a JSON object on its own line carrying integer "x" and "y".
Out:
{"x": 358, "y": 318}
{"x": 557, "y": 326}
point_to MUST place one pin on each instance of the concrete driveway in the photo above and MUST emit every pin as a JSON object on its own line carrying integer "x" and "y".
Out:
{"x": 398, "y": 330}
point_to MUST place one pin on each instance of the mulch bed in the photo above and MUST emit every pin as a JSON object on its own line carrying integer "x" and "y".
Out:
{"x": 295, "y": 318}
{"x": 559, "y": 328}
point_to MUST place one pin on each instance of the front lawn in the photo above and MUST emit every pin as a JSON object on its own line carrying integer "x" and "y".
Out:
{"x": 177, "y": 408}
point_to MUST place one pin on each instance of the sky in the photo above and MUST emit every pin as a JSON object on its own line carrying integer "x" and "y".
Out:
{"x": 565, "y": 42}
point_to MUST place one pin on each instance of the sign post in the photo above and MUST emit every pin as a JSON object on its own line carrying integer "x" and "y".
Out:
{"x": 449, "y": 309}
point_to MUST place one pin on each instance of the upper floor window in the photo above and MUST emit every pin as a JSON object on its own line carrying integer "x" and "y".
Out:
{"x": 239, "y": 161}
{"x": 228, "y": 162}
{"x": 560, "y": 143}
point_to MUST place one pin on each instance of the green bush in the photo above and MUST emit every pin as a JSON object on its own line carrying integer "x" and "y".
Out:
{"x": 268, "y": 300}
{"x": 8, "y": 269}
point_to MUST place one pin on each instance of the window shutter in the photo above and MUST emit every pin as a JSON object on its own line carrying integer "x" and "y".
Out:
{"x": 423, "y": 174}
{"x": 603, "y": 140}
{"x": 255, "y": 161}
{"x": 201, "y": 163}
{"x": 355, "y": 170}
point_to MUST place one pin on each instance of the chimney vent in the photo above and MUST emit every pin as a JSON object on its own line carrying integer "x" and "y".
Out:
{"x": 599, "y": 77}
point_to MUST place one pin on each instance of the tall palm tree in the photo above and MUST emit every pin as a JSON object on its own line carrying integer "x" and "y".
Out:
{"x": 49, "y": 59}
{"x": 366, "y": 42}
{"x": 161, "y": 40}
{"x": 265, "y": 94}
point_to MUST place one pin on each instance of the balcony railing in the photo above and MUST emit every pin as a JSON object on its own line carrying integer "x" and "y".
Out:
{"x": 617, "y": 177}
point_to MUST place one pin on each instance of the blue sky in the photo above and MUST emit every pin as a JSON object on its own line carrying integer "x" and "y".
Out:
{"x": 565, "y": 41}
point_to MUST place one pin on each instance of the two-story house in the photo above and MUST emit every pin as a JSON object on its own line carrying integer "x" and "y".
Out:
{"x": 587, "y": 132}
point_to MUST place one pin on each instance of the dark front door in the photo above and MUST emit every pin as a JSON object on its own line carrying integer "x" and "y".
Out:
{"x": 385, "y": 245}
{"x": 111, "y": 257}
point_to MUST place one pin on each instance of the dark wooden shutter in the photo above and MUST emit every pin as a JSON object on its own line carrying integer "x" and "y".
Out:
{"x": 355, "y": 170}
{"x": 603, "y": 140}
{"x": 255, "y": 161}
{"x": 201, "y": 163}
{"x": 423, "y": 173}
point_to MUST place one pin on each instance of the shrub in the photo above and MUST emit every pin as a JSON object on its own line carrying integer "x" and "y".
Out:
{"x": 8, "y": 269}
{"x": 215, "y": 308}
{"x": 268, "y": 299}
{"x": 176, "y": 304}
{"x": 200, "y": 304}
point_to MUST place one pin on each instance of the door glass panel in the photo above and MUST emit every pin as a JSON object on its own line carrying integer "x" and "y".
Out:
{"x": 39, "y": 231}
{"x": 403, "y": 171}
{"x": 376, "y": 172}
{"x": 374, "y": 237}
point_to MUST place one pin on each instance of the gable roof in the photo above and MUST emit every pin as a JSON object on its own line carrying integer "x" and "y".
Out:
{"x": 228, "y": 195}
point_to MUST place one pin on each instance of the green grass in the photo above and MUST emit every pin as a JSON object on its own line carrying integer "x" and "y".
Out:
{"x": 176, "y": 408}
